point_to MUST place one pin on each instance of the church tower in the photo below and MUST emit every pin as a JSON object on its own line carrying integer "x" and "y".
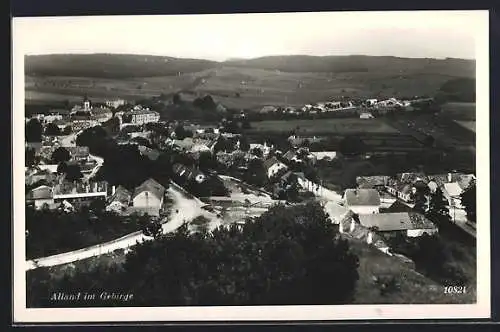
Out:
{"x": 86, "y": 104}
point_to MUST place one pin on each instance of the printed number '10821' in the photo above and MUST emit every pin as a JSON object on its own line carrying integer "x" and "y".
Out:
{"x": 455, "y": 290}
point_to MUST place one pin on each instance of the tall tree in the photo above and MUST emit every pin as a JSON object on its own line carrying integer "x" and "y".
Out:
{"x": 52, "y": 130}
{"x": 468, "y": 198}
{"x": 33, "y": 132}
{"x": 289, "y": 255}
{"x": 60, "y": 155}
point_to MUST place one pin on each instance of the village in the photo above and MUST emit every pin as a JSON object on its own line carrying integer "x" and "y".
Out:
{"x": 222, "y": 178}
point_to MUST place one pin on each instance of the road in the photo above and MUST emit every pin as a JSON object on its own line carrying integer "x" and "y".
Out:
{"x": 184, "y": 209}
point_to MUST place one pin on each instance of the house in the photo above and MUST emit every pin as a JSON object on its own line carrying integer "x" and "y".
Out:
{"x": 366, "y": 115}
{"x": 372, "y": 182}
{"x": 452, "y": 192}
{"x": 289, "y": 155}
{"x": 40, "y": 175}
{"x": 80, "y": 192}
{"x": 325, "y": 155}
{"x": 115, "y": 103}
{"x": 267, "y": 109}
{"x": 362, "y": 201}
{"x": 119, "y": 200}
{"x": 371, "y": 102}
{"x": 404, "y": 185}
{"x": 152, "y": 154}
{"x": 273, "y": 166}
{"x": 40, "y": 197}
{"x": 79, "y": 153}
{"x": 149, "y": 197}
{"x": 142, "y": 116}
{"x": 411, "y": 224}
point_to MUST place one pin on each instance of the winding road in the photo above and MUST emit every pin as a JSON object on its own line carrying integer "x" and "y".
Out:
{"x": 184, "y": 209}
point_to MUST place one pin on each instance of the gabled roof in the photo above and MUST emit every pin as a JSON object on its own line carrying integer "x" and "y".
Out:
{"x": 42, "y": 192}
{"x": 453, "y": 189}
{"x": 398, "y": 221}
{"x": 121, "y": 195}
{"x": 289, "y": 154}
{"x": 151, "y": 186}
{"x": 152, "y": 154}
{"x": 368, "y": 182}
{"x": 357, "y": 197}
{"x": 270, "y": 162}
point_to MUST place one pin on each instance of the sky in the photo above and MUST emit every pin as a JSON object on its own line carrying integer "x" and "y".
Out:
{"x": 414, "y": 34}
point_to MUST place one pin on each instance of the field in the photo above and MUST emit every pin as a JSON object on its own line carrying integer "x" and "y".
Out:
{"x": 341, "y": 126}
{"x": 471, "y": 125}
{"x": 459, "y": 111}
{"x": 290, "y": 80}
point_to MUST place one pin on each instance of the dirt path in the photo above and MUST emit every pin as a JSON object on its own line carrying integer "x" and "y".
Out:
{"x": 184, "y": 209}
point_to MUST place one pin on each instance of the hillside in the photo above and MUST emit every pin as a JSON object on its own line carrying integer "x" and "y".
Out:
{"x": 244, "y": 84}
{"x": 111, "y": 65}
{"x": 360, "y": 64}
{"x": 126, "y": 65}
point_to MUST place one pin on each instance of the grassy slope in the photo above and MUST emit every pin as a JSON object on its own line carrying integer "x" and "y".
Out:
{"x": 299, "y": 80}
{"x": 415, "y": 288}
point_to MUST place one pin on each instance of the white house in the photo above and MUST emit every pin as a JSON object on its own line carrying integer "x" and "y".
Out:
{"x": 362, "y": 201}
{"x": 274, "y": 166}
{"x": 149, "y": 197}
{"x": 452, "y": 192}
{"x": 366, "y": 115}
{"x": 411, "y": 223}
{"x": 41, "y": 196}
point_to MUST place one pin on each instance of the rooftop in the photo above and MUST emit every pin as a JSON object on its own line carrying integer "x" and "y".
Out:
{"x": 397, "y": 221}
{"x": 151, "y": 186}
{"x": 356, "y": 197}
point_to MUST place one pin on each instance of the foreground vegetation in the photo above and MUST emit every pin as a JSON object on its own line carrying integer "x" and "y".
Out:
{"x": 286, "y": 256}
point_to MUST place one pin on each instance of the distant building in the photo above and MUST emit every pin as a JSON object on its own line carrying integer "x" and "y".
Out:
{"x": 41, "y": 197}
{"x": 79, "y": 192}
{"x": 115, "y": 103}
{"x": 411, "y": 224}
{"x": 119, "y": 200}
{"x": 366, "y": 115}
{"x": 362, "y": 201}
{"x": 149, "y": 197}
{"x": 273, "y": 166}
{"x": 142, "y": 116}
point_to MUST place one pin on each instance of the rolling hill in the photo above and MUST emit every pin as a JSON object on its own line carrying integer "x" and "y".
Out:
{"x": 250, "y": 84}
{"x": 126, "y": 65}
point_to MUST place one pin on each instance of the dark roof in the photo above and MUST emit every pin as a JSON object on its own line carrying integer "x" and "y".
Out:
{"x": 398, "y": 206}
{"x": 152, "y": 154}
{"x": 152, "y": 186}
{"x": 355, "y": 197}
{"x": 289, "y": 154}
{"x": 121, "y": 195}
{"x": 398, "y": 221}
{"x": 270, "y": 162}
{"x": 78, "y": 151}
{"x": 42, "y": 192}
{"x": 368, "y": 182}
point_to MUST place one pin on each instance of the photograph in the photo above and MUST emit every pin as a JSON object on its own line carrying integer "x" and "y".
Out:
{"x": 309, "y": 166}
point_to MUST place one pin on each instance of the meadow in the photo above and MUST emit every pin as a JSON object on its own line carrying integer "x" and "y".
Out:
{"x": 459, "y": 111}
{"x": 340, "y": 126}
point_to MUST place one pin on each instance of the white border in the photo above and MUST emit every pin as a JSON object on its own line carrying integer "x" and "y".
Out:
{"x": 265, "y": 313}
